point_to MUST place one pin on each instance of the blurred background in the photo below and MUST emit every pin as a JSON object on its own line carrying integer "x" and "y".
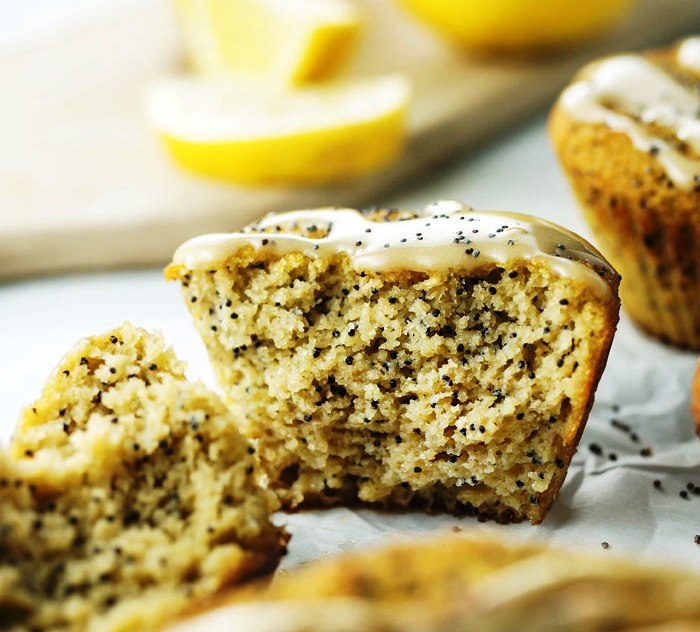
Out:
{"x": 129, "y": 126}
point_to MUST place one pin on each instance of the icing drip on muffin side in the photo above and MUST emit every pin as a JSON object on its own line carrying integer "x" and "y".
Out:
{"x": 628, "y": 92}
{"x": 445, "y": 236}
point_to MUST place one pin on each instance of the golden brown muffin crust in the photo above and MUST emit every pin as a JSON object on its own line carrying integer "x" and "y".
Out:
{"x": 695, "y": 398}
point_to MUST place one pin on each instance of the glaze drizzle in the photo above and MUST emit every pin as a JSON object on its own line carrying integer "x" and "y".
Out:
{"x": 445, "y": 236}
{"x": 628, "y": 92}
{"x": 689, "y": 54}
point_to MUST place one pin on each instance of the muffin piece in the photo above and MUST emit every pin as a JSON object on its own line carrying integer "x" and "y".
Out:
{"x": 463, "y": 583}
{"x": 447, "y": 360}
{"x": 133, "y": 494}
{"x": 627, "y": 135}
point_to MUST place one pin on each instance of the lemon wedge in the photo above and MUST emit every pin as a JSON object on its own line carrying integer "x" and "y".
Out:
{"x": 250, "y": 133}
{"x": 517, "y": 26}
{"x": 289, "y": 41}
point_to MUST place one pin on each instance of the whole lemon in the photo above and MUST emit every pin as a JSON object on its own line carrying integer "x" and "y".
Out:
{"x": 518, "y": 26}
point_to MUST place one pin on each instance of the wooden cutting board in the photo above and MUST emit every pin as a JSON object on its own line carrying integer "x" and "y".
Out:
{"x": 84, "y": 185}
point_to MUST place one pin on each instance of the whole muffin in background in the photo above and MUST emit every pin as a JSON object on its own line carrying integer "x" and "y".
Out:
{"x": 444, "y": 359}
{"x": 128, "y": 494}
{"x": 627, "y": 134}
{"x": 449, "y": 583}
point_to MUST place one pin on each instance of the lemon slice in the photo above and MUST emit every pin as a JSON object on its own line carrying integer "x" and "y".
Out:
{"x": 291, "y": 41}
{"x": 518, "y": 25}
{"x": 250, "y": 133}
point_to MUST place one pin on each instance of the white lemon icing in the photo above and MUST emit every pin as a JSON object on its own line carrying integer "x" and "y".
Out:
{"x": 628, "y": 92}
{"x": 343, "y": 614}
{"x": 445, "y": 236}
{"x": 689, "y": 54}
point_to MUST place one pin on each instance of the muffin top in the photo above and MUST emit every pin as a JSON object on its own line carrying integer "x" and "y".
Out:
{"x": 653, "y": 99}
{"x": 444, "y": 236}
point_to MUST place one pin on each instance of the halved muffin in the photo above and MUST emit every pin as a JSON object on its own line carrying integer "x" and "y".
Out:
{"x": 446, "y": 358}
{"x": 131, "y": 494}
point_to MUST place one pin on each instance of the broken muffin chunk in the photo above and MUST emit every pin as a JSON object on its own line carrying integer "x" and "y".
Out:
{"x": 128, "y": 495}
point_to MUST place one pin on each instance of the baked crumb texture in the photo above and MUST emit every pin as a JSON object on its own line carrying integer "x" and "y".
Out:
{"x": 129, "y": 494}
{"x": 450, "y": 582}
{"x": 446, "y": 391}
{"x": 647, "y": 226}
